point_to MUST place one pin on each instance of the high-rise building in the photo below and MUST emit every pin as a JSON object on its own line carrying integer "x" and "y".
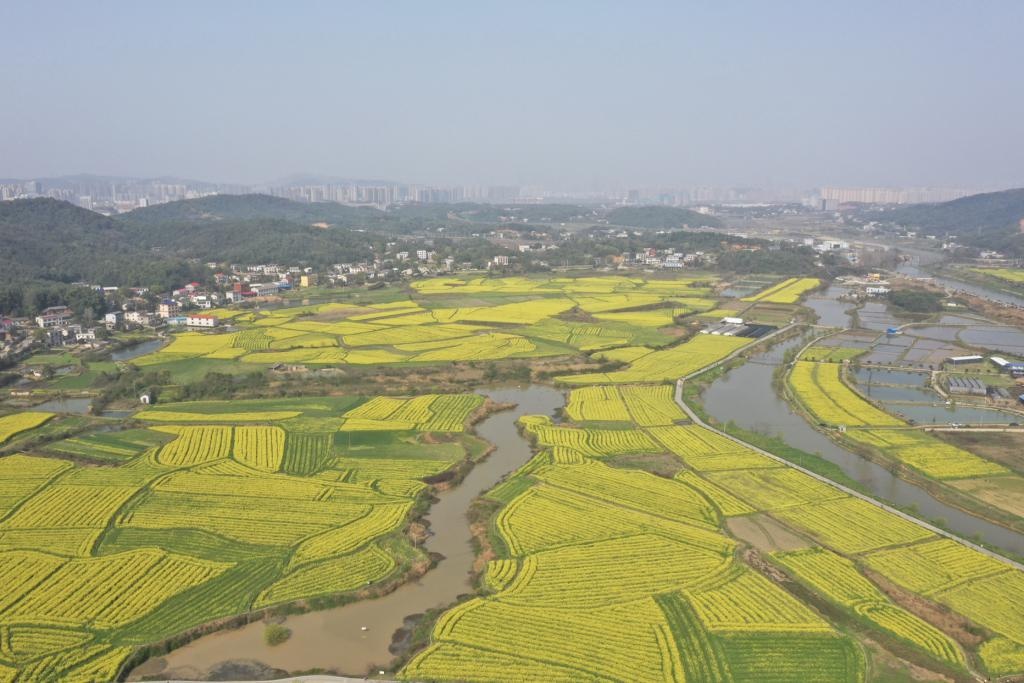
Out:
{"x": 889, "y": 195}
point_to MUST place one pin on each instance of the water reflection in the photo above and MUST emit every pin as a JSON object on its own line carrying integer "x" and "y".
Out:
{"x": 334, "y": 639}
{"x": 746, "y": 397}
{"x": 77, "y": 406}
{"x": 130, "y": 352}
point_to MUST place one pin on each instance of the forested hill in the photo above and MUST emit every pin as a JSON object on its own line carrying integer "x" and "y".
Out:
{"x": 990, "y": 220}
{"x": 54, "y": 241}
{"x": 660, "y": 217}
{"x": 46, "y": 239}
{"x": 229, "y": 207}
{"x": 404, "y": 218}
{"x": 258, "y": 241}
{"x": 45, "y": 245}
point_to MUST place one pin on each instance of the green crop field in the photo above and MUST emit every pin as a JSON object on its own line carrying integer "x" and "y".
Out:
{"x": 820, "y": 389}
{"x": 568, "y": 522}
{"x": 668, "y": 364}
{"x": 590, "y": 545}
{"x": 16, "y": 423}
{"x": 217, "y": 509}
{"x": 786, "y": 292}
{"x": 1012, "y": 275}
{"x": 632, "y": 545}
{"x": 647, "y": 406}
{"x": 838, "y": 579}
{"x": 425, "y": 328}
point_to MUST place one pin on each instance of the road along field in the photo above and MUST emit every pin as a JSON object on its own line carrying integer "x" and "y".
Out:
{"x": 231, "y": 507}
{"x": 713, "y": 611}
{"x": 592, "y": 567}
{"x": 599, "y": 571}
{"x": 990, "y": 487}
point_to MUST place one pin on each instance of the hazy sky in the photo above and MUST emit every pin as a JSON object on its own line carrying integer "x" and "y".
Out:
{"x": 564, "y": 94}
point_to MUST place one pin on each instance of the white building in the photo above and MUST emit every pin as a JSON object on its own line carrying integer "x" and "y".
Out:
{"x": 54, "y": 316}
{"x": 137, "y": 317}
{"x": 263, "y": 289}
{"x": 207, "y": 321}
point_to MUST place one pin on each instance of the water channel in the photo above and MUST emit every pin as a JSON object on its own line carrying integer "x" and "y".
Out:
{"x": 76, "y": 406}
{"x": 745, "y": 396}
{"x": 334, "y": 639}
{"x": 831, "y": 312}
{"x": 921, "y": 259}
{"x": 136, "y": 350}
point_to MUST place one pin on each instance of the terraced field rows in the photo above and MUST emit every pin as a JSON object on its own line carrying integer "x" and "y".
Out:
{"x": 429, "y": 413}
{"x": 786, "y": 292}
{"x": 203, "y": 525}
{"x": 378, "y": 521}
{"x": 822, "y": 392}
{"x": 706, "y": 451}
{"x": 22, "y": 475}
{"x": 306, "y": 454}
{"x": 645, "y": 406}
{"x": 596, "y": 403}
{"x": 924, "y": 452}
{"x": 499, "y": 573}
{"x": 195, "y": 445}
{"x": 750, "y": 602}
{"x": 838, "y": 579}
{"x": 640, "y": 491}
{"x": 333, "y": 576}
{"x": 111, "y": 591}
{"x": 666, "y": 365}
{"x": 64, "y": 506}
{"x": 620, "y": 642}
{"x": 849, "y": 525}
{"x": 16, "y": 423}
{"x": 253, "y": 340}
{"x": 593, "y": 442}
{"x": 261, "y": 448}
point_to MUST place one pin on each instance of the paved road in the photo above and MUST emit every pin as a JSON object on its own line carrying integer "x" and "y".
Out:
{"x": 971, "y": 428}
{"x": 696, "y": 420}
{"x": 845, "y": 489}
{"x": 302, "y": 679}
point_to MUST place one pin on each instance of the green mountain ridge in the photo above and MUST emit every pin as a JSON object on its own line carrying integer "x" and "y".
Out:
{"x": 231, "y": 207}
{"x": 660, "y": 218}
{"x": 991, "y": 220}
{"x": 54, "y": 241}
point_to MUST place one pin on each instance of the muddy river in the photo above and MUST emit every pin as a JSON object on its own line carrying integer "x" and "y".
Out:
{"x": 335, "y": 639}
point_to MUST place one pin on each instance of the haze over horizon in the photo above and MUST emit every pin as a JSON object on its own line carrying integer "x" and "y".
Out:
{"x": 579, "y": 95}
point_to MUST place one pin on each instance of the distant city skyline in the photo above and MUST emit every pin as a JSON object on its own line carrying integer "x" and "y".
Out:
{"x": 118, "y": 195}
{"x": 574, "y": 96}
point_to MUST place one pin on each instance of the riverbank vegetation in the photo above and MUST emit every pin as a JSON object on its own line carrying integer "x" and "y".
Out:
{"x": 636, "y": 544}
{"x": 965, "y": 479}
{"x": 215, "y": 509}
